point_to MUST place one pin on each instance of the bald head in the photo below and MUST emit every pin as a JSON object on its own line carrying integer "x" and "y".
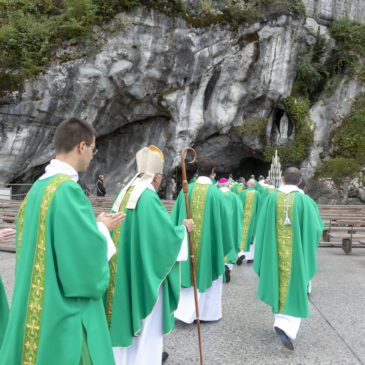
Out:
{"x": 292, "y": 176}
{"x": 251, "y": 183}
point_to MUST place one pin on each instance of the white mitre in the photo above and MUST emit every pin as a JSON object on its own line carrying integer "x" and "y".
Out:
{"x": 150, "y": 161}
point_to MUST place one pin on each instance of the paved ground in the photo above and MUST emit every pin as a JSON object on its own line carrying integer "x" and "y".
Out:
{"x": 334, "y": 334}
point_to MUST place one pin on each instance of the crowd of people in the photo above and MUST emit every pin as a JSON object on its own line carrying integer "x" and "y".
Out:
{"x": 105, "y": 290}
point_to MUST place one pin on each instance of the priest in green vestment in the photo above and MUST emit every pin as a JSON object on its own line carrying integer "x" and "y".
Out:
{"x": 209, "y": 210}
{"x": 6, "y": 235}
{"x": 288, "y": 233}
{"x": 268, "y": 188}
{"x": 145, "y": 273}
{"x": 251, "y": 200}
{"x": 236, "y": 214}
{"x": 238, "y": 187}
{"x": 57, "y": 315}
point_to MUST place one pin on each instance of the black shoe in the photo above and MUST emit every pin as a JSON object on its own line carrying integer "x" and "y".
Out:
{"x": 285, "y": 340}
{"x": 165, "y": 355}
{"x": 249, "y": 261}
{"x": 240, "y": 260}
{"x": 228, "y": 274}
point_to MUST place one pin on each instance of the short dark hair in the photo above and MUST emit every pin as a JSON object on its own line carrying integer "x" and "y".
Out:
{"x": 292, "y": 176}
{"x": 70, "y": 133}
{"x": 205, "y": 166}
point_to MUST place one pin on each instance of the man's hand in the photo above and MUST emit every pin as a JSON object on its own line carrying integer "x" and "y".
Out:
{"x": 189, "y": 224}
{"x": 7, "y": 235}
{"x": 111, "y": 221}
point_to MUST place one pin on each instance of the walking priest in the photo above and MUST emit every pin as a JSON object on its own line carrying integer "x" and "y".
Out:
{"x": 251, "y": 200}
{"x": 209, "y": 210}
{"x": 145, "y": 276}
{"x": 236, "y": 213}
{"x": 288, "y": 232}
{"x": 57, "y": 315}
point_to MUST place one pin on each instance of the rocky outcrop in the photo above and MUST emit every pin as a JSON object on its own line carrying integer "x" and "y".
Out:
{"x": 325, "y": 11}
{"x": 158, "y": 80}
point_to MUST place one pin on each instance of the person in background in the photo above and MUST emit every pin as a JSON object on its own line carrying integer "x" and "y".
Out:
{"x": 100, "y": 188}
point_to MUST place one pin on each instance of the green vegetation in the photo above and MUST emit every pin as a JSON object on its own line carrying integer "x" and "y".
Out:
{"x": 311, "y": 76}
{"x": 254, "y": 10}
{"x": 349, "y": 146}
{"x": 349, "y": 137}
{"x": 253, "y": 127}
{"x": 31, "y": 30}
{"x": 297, "y": 150}
{"x": 350, "y": 48}
{"x": 339, "y": 170}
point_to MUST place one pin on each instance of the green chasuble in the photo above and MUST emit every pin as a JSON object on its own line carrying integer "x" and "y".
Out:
{"x": 285, "y": 254}
{"x": 61, "y": 275}
{"x": 251, "y": 200}
{"x": 235, "y": 212}
{"x": 212, "y": 233}
{"x": 148, "y": 245}
{"x": 237, "y": 188}
{"x": 265, "y": 192}
{"x": 258, "y": 186}
{"x": 4, "y": 311}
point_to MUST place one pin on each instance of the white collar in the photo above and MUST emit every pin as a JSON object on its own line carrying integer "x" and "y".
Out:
{"x": 224, "y": 189}
{"x": 150, "y": 186}
{"x": 287, "y": 189}
{"x": 56, "y": 167}
{"x": 204, "y": 180}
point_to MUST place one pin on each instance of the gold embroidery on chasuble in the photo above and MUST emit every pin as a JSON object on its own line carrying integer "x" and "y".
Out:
{"x": 247, "y": 215}
{"x": 239, "y": 189}
{"x": 20, "y": 226}
{"x": 37, "y": 282}
{"x": 197, "y": 206}
{"x": 113, "y": 263}
{"x": 284, "y": 238}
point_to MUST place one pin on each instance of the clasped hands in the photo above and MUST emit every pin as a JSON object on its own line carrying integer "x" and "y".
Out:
{"x": 111, "y": 220}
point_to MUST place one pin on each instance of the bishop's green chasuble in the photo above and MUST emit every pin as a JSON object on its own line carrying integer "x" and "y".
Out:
{"x": 212, "y": 234}
{"x": 4, "y": 311}
{"x": 285, "y": 252}
{"x": 61, "y": 274}
{"x": 250, "y": 199}
{"x": 148, "y": 245}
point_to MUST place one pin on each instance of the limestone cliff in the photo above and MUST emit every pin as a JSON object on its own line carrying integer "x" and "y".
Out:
{"x": 159, "y": 80}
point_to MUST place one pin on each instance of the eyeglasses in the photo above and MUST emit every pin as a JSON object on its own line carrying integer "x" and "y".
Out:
{"x": 93, "y": 149}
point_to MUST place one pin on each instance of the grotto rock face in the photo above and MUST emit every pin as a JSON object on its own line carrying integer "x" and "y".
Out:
{"x": 325, "y": 11}
{"x": 160, "y": 81}
{"x": 157, "y": 81}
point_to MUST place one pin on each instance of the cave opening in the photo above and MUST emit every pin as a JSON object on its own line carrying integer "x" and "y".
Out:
{"x": 251, "y": 166}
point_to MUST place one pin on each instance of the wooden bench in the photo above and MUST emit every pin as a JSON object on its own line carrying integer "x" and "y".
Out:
{"x": 344, "y": 225}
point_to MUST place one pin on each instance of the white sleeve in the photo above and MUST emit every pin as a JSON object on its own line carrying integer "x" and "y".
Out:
{"x": 111, "y": 247}
{"x": 183, "y": 254}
